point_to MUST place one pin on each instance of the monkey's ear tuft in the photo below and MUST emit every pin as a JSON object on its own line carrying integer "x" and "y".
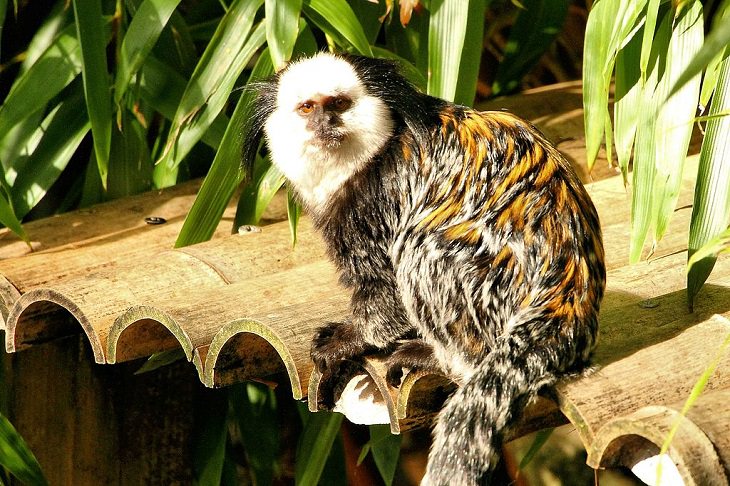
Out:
{"x": 257, "y": 112}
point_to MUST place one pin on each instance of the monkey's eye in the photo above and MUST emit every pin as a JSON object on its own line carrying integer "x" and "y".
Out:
{"x": 305, "y": 108}
{"x": 341, "y": 103}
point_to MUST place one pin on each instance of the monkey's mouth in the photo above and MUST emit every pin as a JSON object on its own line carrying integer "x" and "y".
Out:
{"x": 329, "y": 137}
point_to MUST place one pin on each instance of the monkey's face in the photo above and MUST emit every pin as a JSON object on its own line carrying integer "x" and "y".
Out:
{"x": 325, "y": 125}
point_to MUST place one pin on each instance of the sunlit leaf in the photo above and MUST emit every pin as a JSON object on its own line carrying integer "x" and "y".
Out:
{"x": 282, "y": 28}
{"x": 91, "y": 36}
{"x": 711, "y": 208}
{"x": 145, "y": 28}
{"x": 225, "y": 172}
{"x": 446, "y": 35}
{"x": 226, "y": 55}
{"x": 257, "y": 194}
{"x": 336, "y": 18}
{"x": 716, "y": 246}
{"x": 627, "y": 101}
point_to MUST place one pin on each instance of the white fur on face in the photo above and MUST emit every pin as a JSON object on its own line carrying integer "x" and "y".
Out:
{"x": 317, "y": 172}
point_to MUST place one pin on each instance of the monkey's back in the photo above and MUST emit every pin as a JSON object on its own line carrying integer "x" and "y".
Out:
{"x": 501, "y": 241}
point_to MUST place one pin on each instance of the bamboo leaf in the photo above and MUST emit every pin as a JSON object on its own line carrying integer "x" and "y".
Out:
{"x": 530, "y": 36}
{"x": 16, "y": 457}
{"x": 541, "y": 437}
{"x": 717, "y": 245}
{"x": 446, "y": 36}
{"x": 258, "y": 193}
{"x": 314, "y": 447}
{"x": 145, "y": 28}
{"x": 90, "y": 31}
{"x": 675, "y": 121}
{"x": 52, "y": 72}
{"x": 282, "y": 29}
{"x": 293, "y": 212}
{"x": 471, "y": 54}
{"x": 59, "y": 135}
{"x": 130, "y": 165}
{"x": 715, "y": 44}
{"x": 225, "y": 172}
{"x": 627, "y": 104}
{"x": 336, "y": 18}
{"x": 9, "y": 219}
{"x": 385, "y": 448}
{"x": 711, "y": 208}
{"x": 369, "y": 15}
{"x": 227, "y": 54}
{"x": 643, "y": 208}
{"x": 211, "y": 436}
{"x": 652, "y": 12}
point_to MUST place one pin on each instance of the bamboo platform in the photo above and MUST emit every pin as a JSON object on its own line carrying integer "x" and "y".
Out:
{"x": 244, "y": 306}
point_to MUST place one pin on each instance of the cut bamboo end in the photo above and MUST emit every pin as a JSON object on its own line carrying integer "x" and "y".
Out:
{"x": 41, "y": 315}
{"x": 635, "y": 440}
{"x": 9, "y": 295}
{"x": 245, "y": 349}
{"x": 142, "y": 331}
{"x": 420, "y": 396}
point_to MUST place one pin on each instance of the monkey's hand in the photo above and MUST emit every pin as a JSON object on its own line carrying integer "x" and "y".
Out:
{"x": 335, "y": 342}
{"x": 414, "y": 354}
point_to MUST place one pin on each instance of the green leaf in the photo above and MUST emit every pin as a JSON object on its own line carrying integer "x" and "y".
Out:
{"x": 163, "y": 87}
{"x": 711, "y": 208}
{"x": 59, "y": 134}
{"x": 471, "y": 53}
{"x": 315, "y": 443}
{"x": 130, "y": 165}
{"x": 676, "y": 116}
{"x": 225, "y": 172}
{"x": 258, "y": 193}
{"x": 209, "y": 88}
{"x": 293, "y": 212}
{"x": 161, "y": 359}
{"x": 254, "y": 409}
{"x": 52, "y": 72}
{"x": 652, "y": 13}
{"x": 541, "y": 437}
{"x": 530, "y": 36}
{"x": 717, "y": 245}
{"x": 628, "y": 102}
{"x": 210, "y": 438}
{"x": 385, "y": 448}
{"x": 369, "y": 14}
{"x": 91, "y": 36}
{"x": 336, "y": 18}
{"x": 716, "y": 43}
{"x": 446, "y": 36}
{"x": 282, "y": 29}
{"x": 643, "y": 208}
{"x": 10, "y": 220}
{"x": 406, "y": 67}
{"x": 16, "y": 457}
{"x": 145, "y": 28}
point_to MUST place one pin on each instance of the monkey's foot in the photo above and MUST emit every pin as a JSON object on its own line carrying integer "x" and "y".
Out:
{"x": 335, "y": 342}
{"x": 414, "y": 354}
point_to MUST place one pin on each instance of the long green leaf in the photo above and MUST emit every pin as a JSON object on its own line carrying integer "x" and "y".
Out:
{"x": 90, "y": 31}
{"x": 676, "y": 116}
{"x": 471, "y": 54}
{"x": 52, "y": 72}
{"x": 60, "y": 135}
{"x": 446, "y": 36}
{"x": 627, "y": 101}
{"x": 385, "y": 447}
{"x": 314, "y": 447}
{"x": 258, "y": 194}
{"x": 717, "y": 42}
{"x": 225, "y": 172}
{"x": 16, "y": 457}
{"x": 145, "y": 28}
{"x": 211, "y": 436}
{"x": 534, "y": 30}
{"x": 336, "y": 18}
{"x": 717, "y": 245}
{"x": 130, "y": 165}
{"x": 282, "y": 29}
{"x": 643, "y": 209}
{"x": 711, "y": 209}
{"x": 210, "y": 86}
{"x": 9, "y": 219}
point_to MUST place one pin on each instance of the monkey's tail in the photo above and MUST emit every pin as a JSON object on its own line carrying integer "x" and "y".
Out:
{"x": 468, "y": 434}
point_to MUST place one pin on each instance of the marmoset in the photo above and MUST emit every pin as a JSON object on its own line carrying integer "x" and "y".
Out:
{"x": 468, "y": 242}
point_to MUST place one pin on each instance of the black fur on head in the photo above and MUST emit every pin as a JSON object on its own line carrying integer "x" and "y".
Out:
{"x": 259, "y": 110}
